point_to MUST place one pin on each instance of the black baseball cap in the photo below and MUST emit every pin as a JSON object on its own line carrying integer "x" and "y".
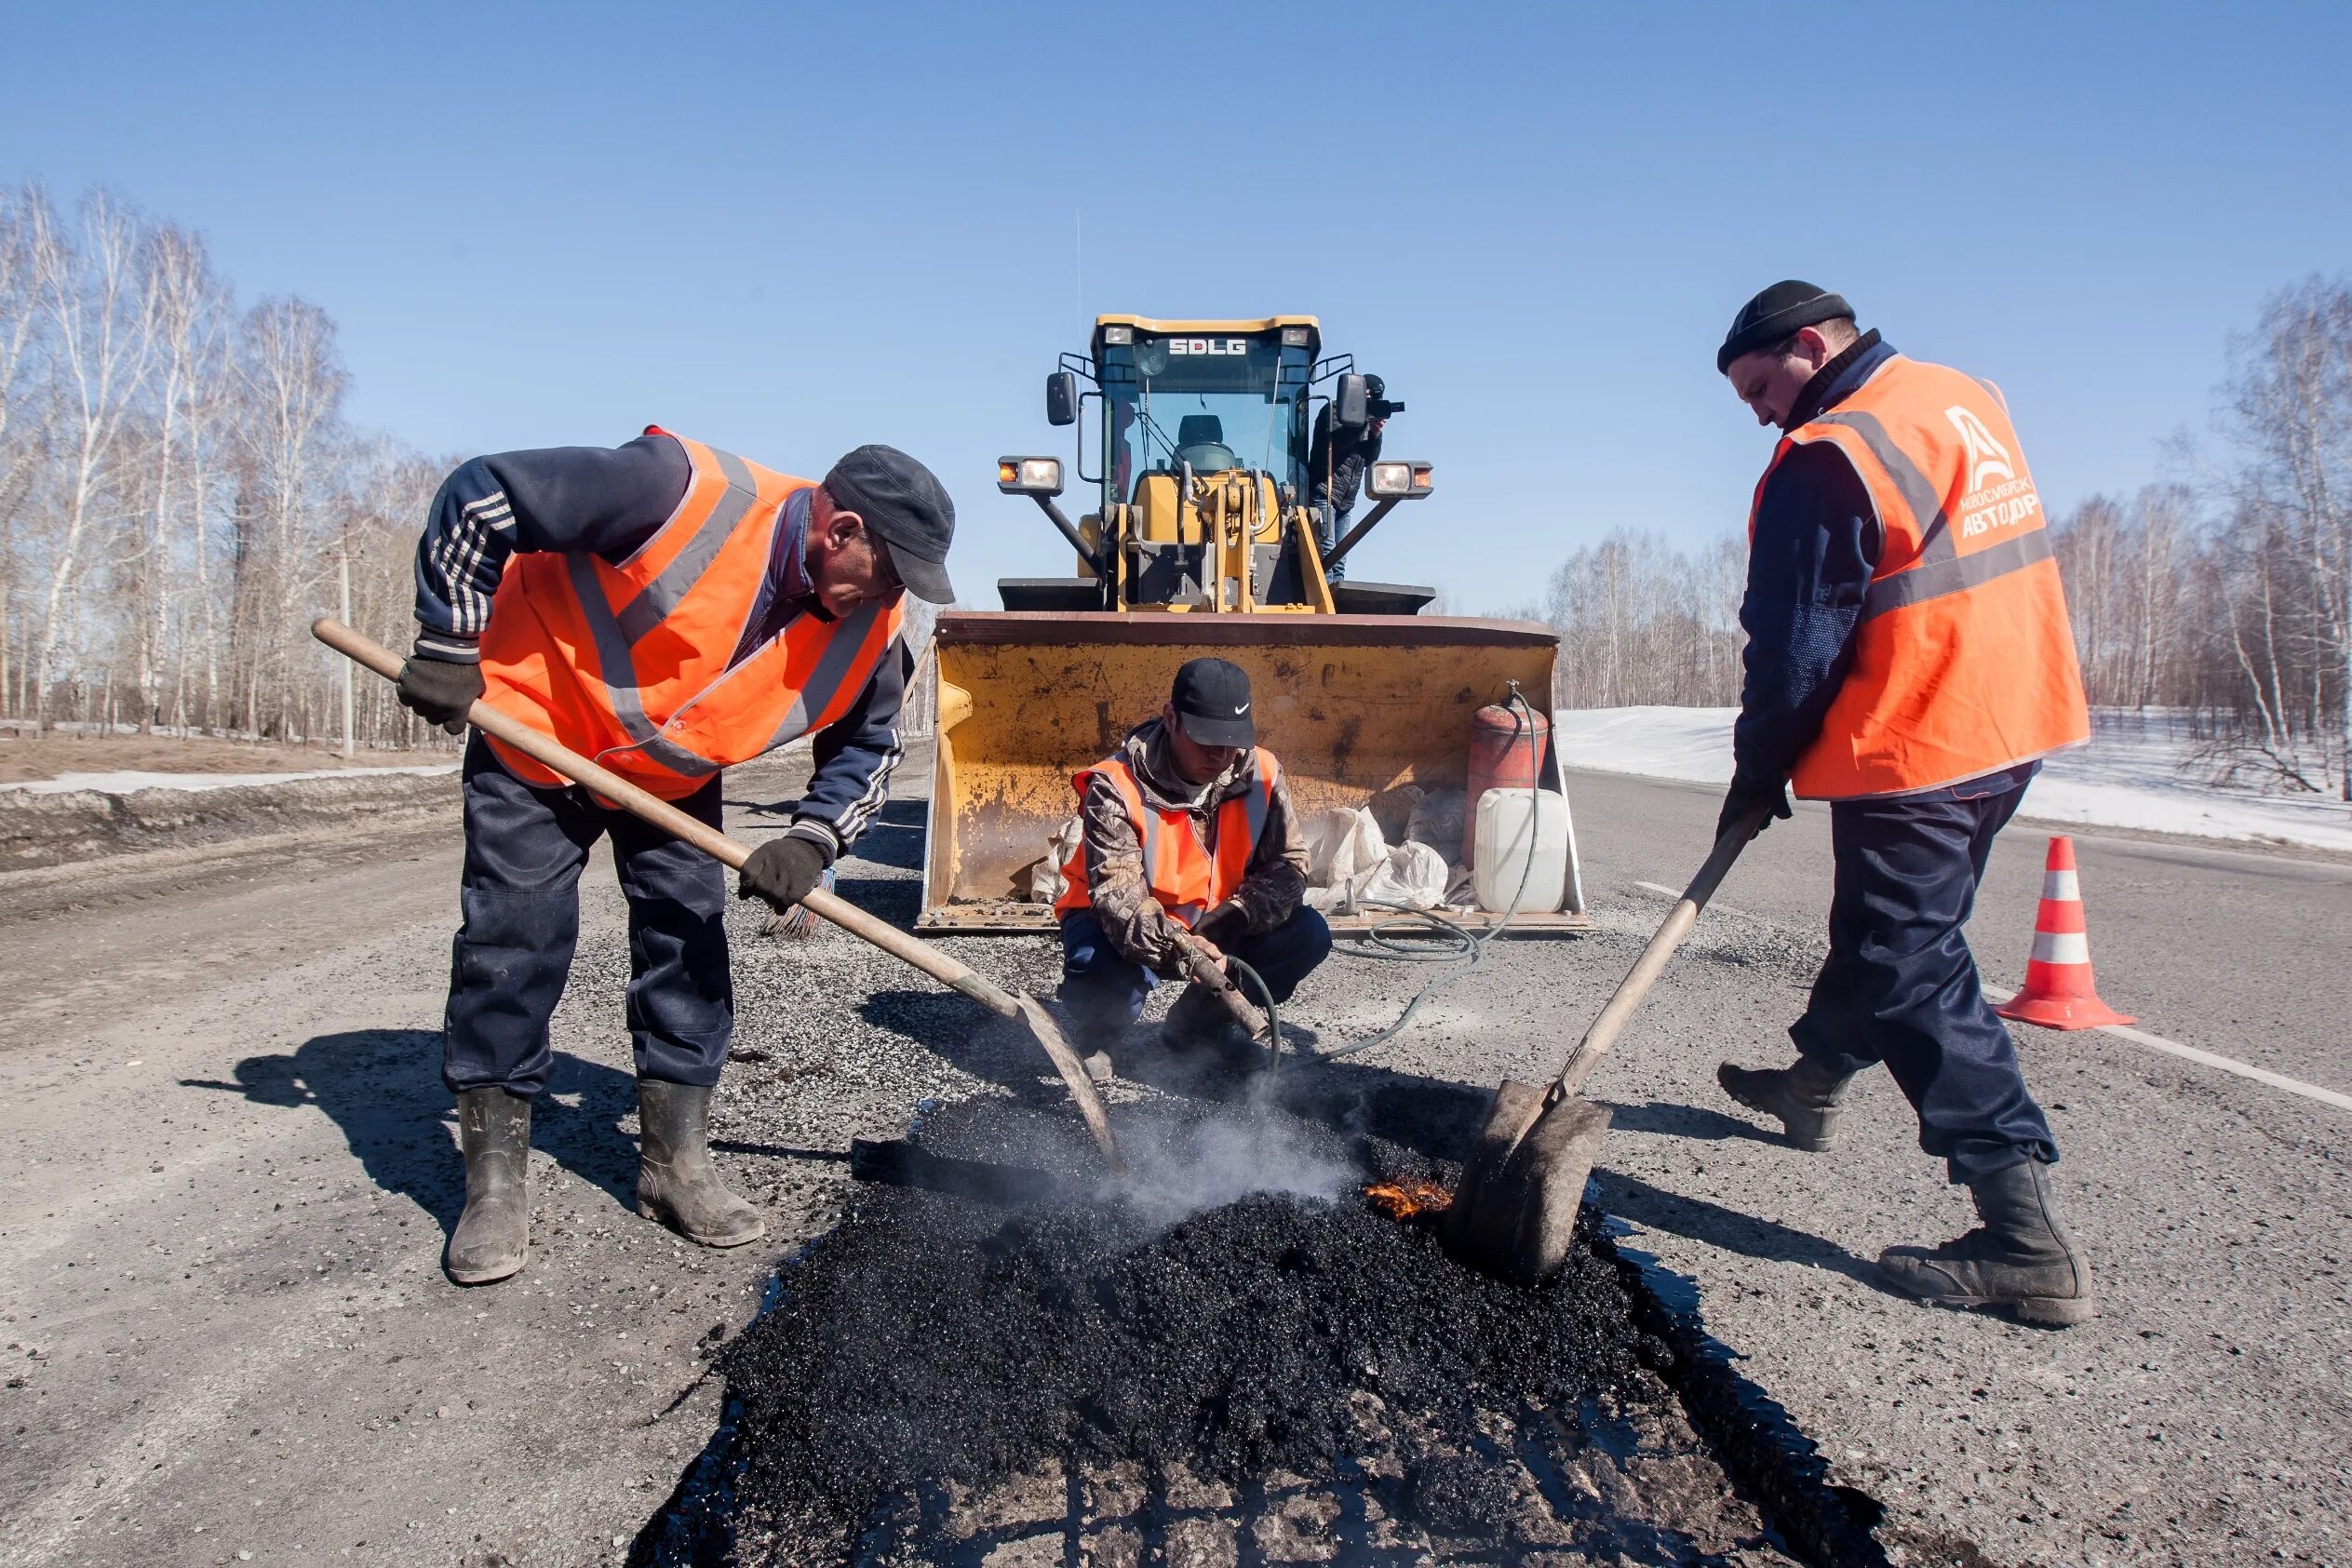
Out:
{"x": 907, "y": 509}
{"x": 1212, "y": 703}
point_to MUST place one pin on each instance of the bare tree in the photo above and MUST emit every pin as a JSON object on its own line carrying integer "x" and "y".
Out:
{"x": 103, "y": 331}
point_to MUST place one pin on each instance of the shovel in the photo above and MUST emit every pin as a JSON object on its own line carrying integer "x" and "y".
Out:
{"x": 728, "y": 853}
{"x": 1515, "y": 1213}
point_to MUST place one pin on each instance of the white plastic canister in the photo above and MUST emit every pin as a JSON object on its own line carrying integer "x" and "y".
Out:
{"x": 1515, "y": 826}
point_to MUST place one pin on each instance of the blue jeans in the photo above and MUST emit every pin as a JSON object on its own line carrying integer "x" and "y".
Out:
{"x": 1103, "y": 990}
{"x": 1900, "y": 986}
{"x": 1334, "y": 528}
{"x": 519, "y": 895}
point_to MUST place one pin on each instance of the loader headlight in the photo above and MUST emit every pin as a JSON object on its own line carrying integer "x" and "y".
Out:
{"x": 1405, "y": 481}
{"x": 1118, "y": 334}
{"x": 1029, "y": 475}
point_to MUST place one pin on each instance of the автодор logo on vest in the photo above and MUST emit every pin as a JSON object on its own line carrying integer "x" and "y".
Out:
{"x": 1984, "y": 510}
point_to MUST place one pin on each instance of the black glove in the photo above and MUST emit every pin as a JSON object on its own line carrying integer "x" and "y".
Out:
{"x": 439, "y": 692}
{"x": 1745, "y": 796}
{"x": 782, "y": 871}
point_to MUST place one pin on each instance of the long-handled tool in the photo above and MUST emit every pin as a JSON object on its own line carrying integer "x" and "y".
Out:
{"x": 727, "y": 851}
{"x": 1212, "y": 977}
{"x": 1515, "y": 1213}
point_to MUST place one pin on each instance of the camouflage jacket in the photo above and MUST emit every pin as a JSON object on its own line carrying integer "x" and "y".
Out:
{"x": 1271, "y": 887}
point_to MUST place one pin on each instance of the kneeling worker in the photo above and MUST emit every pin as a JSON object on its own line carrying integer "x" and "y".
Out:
{"x": 1188, "y": 834}
{"x": 667, "y": 610}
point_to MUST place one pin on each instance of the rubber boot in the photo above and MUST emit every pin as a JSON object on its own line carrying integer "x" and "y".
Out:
{"x": 2021, "y": 1257}
{"x": 1804, "y": 1096}
{"x": 493, "y": 1129}
{"x": 675, "y": 1182}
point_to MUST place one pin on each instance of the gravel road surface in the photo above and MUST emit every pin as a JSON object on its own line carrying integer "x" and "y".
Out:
{"x": 227, "y": 1338}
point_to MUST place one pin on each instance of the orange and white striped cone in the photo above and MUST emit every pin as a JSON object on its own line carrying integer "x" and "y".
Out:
{"x": 2059, "y": 993}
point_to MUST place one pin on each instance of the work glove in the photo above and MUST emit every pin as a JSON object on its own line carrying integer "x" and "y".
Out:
{"x": 1745, "y": 796}
{"x": 439, "y": 692}
{"x": 782, "y": 871}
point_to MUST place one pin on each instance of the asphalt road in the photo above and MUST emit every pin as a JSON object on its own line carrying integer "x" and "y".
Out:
{"x": 221, "y": 1213}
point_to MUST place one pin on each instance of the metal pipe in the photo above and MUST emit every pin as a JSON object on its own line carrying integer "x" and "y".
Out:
{"x": 1069, "y": 531}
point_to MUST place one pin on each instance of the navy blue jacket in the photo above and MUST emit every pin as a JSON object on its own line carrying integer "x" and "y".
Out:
{"x": 1817, "y": 543}
{"x": 609, "y": 502}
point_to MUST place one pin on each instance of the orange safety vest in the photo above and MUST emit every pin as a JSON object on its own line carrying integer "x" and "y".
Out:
{"x": 629, "y": 664}
{"x": 1185, "y": 877}
{"x": 1964, "y": 663}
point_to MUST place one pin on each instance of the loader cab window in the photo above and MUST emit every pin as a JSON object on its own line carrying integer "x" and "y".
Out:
{"x": 1214, "y": 402}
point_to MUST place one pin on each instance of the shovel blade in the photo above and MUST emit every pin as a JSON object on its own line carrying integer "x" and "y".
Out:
{"x": 1515, "y": 1213}
{"x": 1510, "y": 1113}
{"x": 1073, "y": 1071}
{"x": 1546, "y": 1176}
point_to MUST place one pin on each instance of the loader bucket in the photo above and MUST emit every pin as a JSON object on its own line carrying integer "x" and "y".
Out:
{"x": 1352, "y": 704}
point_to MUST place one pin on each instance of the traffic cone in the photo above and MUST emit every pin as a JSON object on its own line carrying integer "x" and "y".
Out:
{"x": 2059, "y": 993}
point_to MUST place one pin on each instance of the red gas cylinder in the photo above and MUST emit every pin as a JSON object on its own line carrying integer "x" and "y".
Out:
{"x": 1507, "y": 745}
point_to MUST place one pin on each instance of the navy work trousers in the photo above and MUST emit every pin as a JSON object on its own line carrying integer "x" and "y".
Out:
{"x": 520, "y": 896}
{"x": 1103, "y": 990}
{"x": 1900, "y": 986}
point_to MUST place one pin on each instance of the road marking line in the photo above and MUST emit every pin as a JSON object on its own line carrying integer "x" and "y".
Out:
{"x": 1676, "y": 893}
{"x": 2137, "y": 1037}
{"x": 2207, "y": 1058}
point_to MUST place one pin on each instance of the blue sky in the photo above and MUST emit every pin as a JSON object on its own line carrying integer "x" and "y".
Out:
{"x": 791, "y": 229}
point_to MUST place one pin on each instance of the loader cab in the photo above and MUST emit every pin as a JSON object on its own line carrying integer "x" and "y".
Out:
{"x": 1192, "y": 466}
{"x": 1211, "y": 402}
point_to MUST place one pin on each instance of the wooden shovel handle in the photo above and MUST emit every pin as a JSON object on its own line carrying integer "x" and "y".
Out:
{"x": 563, "y": 760}
{"x": 1647, "y": 968}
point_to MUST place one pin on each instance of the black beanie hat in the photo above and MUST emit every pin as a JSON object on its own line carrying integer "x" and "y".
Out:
{"x": 1775, "y": 313}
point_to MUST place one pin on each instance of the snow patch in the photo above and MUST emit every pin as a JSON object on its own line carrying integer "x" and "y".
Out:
{"x": 2127, "y": 776}
{"x": 127, "y": 782}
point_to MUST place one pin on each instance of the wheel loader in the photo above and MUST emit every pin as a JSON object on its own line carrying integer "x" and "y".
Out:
{"x": 1199, "y": 537}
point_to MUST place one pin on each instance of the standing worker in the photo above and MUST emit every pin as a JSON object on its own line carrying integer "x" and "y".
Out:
{"x": 1908, "y": 661}
{"x": 1186, "y": 834}
{"x": 667, "y": 610}
{"x": 1337, "y": 460}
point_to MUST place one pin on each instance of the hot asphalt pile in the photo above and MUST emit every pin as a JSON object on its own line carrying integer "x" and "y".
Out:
{"x": 1231, "y": 1336}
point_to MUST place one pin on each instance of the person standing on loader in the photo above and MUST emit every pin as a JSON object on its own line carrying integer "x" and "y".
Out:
{"x": 1186, "y": 834}
{"x": 1337, "y": 460}
{"x": 1909, "y": 660}
{"x": 668, "y": 609}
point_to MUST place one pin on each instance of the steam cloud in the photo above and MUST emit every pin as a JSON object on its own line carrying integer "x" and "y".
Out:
{"x": 1178, "y": 1171}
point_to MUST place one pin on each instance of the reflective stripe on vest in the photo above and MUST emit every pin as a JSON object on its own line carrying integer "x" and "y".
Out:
{"x": 629, "y": 663}
{"x": 1964, "y": 661}
{"x": 1183, "y": 876}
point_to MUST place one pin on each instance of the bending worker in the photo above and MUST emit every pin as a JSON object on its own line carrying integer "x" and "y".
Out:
{"x": 667, "y": 610}
{"x": 1187, "y": 834}
{"x": 1908, "y": 661}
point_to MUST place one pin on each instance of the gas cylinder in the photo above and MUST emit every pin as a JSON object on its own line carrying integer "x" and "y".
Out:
{"x": 1507, "y": 745}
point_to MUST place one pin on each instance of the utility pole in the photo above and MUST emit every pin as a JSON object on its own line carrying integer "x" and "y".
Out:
{"x": 349, "y": 750}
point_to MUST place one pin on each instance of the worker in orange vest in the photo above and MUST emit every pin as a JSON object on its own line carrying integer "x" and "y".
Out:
{"x": 1908, "y": 661}
{"x": 1186, "y": 834}
{"x": 668, "y": 609}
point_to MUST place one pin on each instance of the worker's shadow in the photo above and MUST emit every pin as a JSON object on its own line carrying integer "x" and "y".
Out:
{"x": 380, "y": 1088}
{"x": 1629, "y": 1198}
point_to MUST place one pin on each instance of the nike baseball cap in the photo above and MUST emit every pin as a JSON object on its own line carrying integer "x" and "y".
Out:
{"x": 1211, "y": 701}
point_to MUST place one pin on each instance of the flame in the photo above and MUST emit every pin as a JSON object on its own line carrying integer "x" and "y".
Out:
{"x": 1402, "y": 1200}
